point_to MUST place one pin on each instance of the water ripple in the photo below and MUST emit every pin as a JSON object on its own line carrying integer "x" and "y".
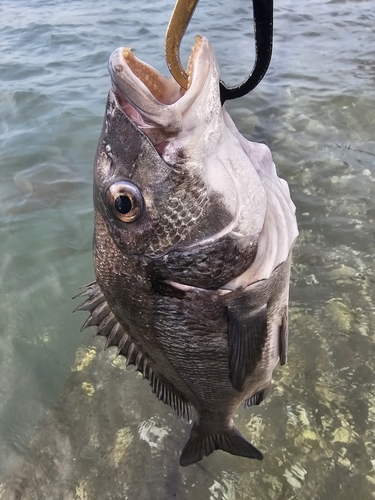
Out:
{"x": 315, "y": 109}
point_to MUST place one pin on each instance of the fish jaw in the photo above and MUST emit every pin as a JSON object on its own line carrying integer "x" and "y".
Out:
{"x": 211, "y": 197}
{"x": 153, "y": 101}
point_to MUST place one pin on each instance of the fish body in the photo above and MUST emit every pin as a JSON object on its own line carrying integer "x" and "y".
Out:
{"x": 192, "y": 247}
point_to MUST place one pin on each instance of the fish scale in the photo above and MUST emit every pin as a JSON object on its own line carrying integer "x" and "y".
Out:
{"x": 192, "y": 276}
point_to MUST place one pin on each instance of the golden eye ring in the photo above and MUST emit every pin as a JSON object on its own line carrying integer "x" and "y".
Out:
{"x": 125, "y": 200}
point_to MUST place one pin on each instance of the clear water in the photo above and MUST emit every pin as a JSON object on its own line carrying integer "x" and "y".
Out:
{"x": 106, "y": 436}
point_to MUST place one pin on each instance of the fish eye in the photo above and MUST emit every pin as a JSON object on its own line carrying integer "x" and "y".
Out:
{"x": 126, "y": 201}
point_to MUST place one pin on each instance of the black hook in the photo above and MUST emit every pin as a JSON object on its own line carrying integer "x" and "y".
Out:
{"x": 263, "y": 28}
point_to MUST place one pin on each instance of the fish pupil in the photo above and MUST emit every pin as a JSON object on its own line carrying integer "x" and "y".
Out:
{"x": 123, "y": 204}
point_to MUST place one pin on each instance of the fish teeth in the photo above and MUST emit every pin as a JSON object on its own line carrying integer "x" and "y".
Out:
{"x": 146, "y": 74}
{"x": 198, "y": 41}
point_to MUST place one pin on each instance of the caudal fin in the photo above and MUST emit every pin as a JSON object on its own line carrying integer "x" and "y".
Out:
{"x": 201, "y": 444}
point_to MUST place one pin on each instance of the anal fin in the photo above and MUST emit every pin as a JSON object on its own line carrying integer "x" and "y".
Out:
{"x": 258, "y": 397}
{"x": 201, "y": 444}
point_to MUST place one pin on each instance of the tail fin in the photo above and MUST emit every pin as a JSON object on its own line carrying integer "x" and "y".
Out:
{"x": 201, "y": 444}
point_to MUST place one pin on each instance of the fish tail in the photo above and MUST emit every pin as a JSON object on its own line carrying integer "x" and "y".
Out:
{"x": 201, "y": 444}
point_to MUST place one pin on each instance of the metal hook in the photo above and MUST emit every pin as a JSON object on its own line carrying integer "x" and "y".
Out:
{"x": 263, "y": 28}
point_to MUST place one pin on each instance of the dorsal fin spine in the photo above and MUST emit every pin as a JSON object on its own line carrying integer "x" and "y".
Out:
{"x": 107, "y": 325}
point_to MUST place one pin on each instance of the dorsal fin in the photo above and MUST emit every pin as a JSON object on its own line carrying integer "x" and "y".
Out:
{"x": 107, "y": 325}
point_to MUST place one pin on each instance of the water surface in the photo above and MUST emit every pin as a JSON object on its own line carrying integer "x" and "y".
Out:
{"x": 106, "y": 436}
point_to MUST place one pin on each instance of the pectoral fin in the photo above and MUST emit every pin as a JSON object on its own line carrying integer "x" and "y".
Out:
{"x": 246, "y": 338}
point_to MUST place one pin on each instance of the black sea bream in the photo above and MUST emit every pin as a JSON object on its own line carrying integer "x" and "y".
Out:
{"x": 192, "y": 248}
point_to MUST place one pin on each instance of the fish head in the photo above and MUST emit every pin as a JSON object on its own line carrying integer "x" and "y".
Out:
{"x": 172, "y": 183}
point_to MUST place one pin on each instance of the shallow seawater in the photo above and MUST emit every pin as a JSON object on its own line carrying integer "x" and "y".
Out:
{"x": 106, "y": 436}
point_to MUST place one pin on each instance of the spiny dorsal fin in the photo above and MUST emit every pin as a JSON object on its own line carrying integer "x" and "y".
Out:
{"x": 246, "y": 338}
{"x": 107, "y": 325}
{"x": 114, "y": 335}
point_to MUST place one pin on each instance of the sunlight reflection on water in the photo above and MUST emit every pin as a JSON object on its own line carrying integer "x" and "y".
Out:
{"x": 108, "y": 436}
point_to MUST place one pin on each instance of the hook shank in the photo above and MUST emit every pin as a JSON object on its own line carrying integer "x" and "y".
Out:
{"x": 263, "y": 28}
{"x": 181, "y": 15}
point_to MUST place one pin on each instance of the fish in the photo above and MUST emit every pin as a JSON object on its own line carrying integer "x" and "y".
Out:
{"x": 193, "y": 234}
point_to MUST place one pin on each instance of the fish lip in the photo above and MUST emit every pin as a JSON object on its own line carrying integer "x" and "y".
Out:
{"x": 127, "y": 82}
{"x": 165, "y": 106}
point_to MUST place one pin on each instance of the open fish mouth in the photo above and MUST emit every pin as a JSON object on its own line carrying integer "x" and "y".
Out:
{"x": 152, "y": 100}
{"x": 165, "y": 89}
{"x": 129, "y": 73}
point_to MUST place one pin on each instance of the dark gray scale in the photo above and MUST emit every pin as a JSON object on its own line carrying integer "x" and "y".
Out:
{"x": 203, "y": 351}
{"x": 210, "y": 267}
{"x": 109, "y": 327}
